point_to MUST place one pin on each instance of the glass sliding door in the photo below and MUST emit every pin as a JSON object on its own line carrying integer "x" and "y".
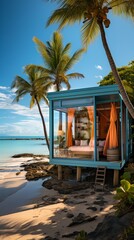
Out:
{"x": 74, "y": 132}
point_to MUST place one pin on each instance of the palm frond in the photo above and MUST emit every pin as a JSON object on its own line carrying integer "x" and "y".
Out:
{"x": 67, "y": 85}
{"x": 123, "y": 7}
{"x": 61, "y": 65}
{"x": 32, "y": 102}
{"x": 90, "y": 30}
{"x": 41, "y": 85}
{"x": 74, "y": 59}
{"x": 19, "y": 81}
{"x": 43, "y": 50}
{"x": 20, "y": 95}
{"x": 46, "y": 100}
{"x": 66, "y": 49}
{"x": 34, "y": 68}
{"x": 68, "y": 14}
{"x": 75, "y": 75}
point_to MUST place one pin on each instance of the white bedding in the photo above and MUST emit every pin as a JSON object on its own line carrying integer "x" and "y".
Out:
{"x": 84, "y": 149}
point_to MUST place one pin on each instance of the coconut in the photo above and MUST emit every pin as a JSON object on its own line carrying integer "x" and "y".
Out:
{"x": 107, "y": 23}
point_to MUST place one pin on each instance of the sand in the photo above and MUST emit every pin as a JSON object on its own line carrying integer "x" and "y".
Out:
{"x": 27, "y": 212}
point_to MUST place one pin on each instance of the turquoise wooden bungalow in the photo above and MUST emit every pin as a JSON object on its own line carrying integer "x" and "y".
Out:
{"x": 89, "y": 127}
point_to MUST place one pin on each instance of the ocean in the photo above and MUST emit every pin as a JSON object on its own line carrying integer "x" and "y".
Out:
{"x": 11, "y": 145}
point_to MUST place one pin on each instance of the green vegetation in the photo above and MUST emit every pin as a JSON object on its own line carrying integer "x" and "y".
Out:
{"x": 129, "y": 173}
{"x": 127, "y": 76}
{"x": 37, "y": 86}
{"x": 40, "y": 79}
{"x": 58, "y": 61}
{"x": 81, "y": 236}
{"x": 95, "y": 16}
{"x": 125, "y": 195}
{"x": 128, "y": 232}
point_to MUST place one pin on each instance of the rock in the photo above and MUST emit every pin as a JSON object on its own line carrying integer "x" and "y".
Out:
{"x": 100, "y": 203}
{"x": 82, "y": 196}
{"x": 92, "y": 208}
{"x": 50, "y": 238}
{"x": 74, "y": 202}
{"x": 38, "y": 170}
{"x": 101, "y": 198}
{"x": 29, "y": 155}
{"x": 75, "y": 233}
{"x": 81, "y": 218}
{"x": 51, "y": 200}
{"x": 23, "y": 155}
{"x": 69, "y": 215}
{"x": 65, "y": 187}
{"x": 111, "y": 227}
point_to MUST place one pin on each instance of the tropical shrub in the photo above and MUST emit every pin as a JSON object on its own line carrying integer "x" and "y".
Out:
{"x": 125, "y": 195}
{"x": 81, "y": 236}
{"x": 129, "y": 173}
{"x": 128, "y": 232}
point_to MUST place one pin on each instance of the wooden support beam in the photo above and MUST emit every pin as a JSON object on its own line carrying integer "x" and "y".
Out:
{"x": 116, "y": 177}
{"x": 78, "y": 174}
{"x": 59, "y": 172}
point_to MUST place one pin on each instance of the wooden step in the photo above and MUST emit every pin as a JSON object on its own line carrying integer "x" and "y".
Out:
{"x": 100, "y": 177}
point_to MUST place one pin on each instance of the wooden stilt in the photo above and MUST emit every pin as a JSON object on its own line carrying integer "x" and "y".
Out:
{"x": 78, "y": 173}
{"x": 116, "y": 177}
{"x": 59, "y": 172}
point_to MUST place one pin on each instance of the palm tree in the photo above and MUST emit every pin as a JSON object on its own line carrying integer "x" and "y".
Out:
{"x": 58, "y": 61}
{"x": 37, "y": 86}
{"x": 94, "y": 14}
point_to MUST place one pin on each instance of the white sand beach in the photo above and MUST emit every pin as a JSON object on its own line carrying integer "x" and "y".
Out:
{"x": 29, "y": 211}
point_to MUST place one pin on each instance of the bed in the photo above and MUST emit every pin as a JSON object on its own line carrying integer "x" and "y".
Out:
{"x": 87, "y": 151}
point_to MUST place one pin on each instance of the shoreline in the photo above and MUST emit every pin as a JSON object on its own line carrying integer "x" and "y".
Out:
{"x": 31, "y": 211}
{"x": 13, "y": 176}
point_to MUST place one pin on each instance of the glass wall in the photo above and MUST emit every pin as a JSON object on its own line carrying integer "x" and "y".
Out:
{"x": 108, "y": 131}
{"x": 74, "y": 131}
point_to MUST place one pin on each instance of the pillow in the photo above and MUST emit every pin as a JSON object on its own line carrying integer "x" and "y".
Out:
{"x": 77, "y": 142}
{"x": 101, "y": 143}
{"x": 83, "y": 142}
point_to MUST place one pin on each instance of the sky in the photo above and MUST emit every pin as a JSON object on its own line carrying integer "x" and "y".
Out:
{"x": 20, "y": 21}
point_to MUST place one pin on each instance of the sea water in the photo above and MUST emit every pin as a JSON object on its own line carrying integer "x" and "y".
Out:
{"x": 10, "y": 146}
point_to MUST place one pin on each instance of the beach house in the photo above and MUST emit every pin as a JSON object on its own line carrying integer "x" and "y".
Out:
{"x": 89, "y": 127}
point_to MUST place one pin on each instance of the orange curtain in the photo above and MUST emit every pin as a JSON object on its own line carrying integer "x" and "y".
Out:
{"x": 111, "y": 138}
{"x": 91, "y": 117}
{"x": 71, "y": 112}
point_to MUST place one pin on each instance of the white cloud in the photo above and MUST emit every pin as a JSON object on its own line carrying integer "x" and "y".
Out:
{"x": 6, "y": 104}
{"x": 99, "y": 67}
{"x": 24, "y": 128}
{"x": 13, "y": 90}
{"x": 4, "y": 88}
{"x": 4, "y": 96}
{"x": 99, "y": 76}
{"x": 24, "y": 111}
{"x": 30, "y": 123}
{"x": 52, "y": 89}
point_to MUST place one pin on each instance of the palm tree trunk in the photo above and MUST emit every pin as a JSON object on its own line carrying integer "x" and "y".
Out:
{"x": 115, "y": 72}
{"x": 43, "y": 122}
